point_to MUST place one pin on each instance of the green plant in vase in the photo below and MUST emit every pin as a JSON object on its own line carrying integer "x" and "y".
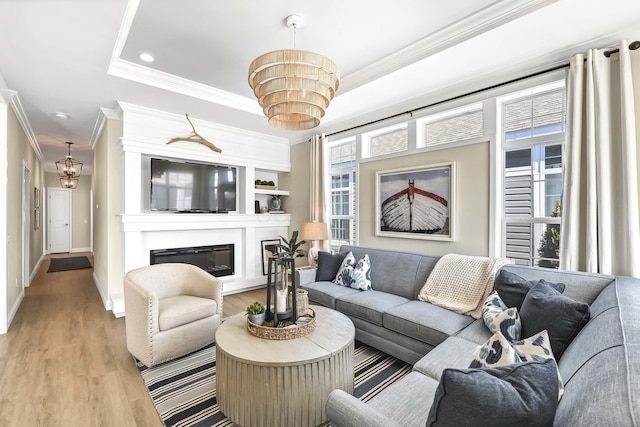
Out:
{"x": 256, "y": 312}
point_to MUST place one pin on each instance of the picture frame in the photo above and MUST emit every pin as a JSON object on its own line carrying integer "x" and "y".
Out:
{"x": 269, "y": 249}
{"x": 417, "y": 202}
{"x": 36, "y": 198}
{"x": 36, "y": 219}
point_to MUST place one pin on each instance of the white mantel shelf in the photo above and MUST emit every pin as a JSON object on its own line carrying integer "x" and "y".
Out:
{"x": 184, "y": 221}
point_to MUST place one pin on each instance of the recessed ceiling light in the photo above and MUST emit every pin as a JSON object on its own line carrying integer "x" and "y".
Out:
{"x": 146, "y": 57}
{"x": 63, "y": 116}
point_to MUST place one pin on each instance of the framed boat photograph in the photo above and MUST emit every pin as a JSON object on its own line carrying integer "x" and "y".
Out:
{"x": 417, "y": 202}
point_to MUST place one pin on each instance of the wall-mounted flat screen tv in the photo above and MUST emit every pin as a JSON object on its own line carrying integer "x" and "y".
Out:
{"x": 182, "y": 186}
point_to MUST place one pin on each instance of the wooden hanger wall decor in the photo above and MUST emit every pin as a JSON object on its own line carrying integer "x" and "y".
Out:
{"x": 195, "y": 137}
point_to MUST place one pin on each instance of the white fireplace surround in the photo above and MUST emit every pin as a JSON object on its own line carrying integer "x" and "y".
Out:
{"x": 145, "y": 132}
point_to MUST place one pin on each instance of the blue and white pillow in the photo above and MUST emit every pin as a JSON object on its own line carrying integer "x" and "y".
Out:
{"x": 361, "y": 274}
{"x": 355, "y": 275}
{"x": 499, "y": 318}
{"x": 343, "y": 277}
{"x": 498, "y": 351}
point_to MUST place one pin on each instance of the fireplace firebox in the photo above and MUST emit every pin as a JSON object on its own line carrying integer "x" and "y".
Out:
{"x": 216, "y": 260}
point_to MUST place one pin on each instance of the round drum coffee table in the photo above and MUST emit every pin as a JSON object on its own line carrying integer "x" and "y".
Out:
{"x": 279, "y": 383}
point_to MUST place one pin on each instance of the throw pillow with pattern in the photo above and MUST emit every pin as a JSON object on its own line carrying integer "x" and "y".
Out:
{"x": 361, "y": 274}
{"x": 537, "y": 347}
{"x": 499, "y": 318}
{"x": 343, "y": 277}
{"x": 497, "y": 351}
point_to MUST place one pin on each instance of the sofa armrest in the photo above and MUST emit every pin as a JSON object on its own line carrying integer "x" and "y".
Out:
{"x": 344, "y": 410}
{"x": 306, "y": 276}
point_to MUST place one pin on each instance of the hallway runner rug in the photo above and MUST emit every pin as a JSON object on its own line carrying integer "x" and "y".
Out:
{"x": 66, "y": 264}
{"x": 184, "y": 390}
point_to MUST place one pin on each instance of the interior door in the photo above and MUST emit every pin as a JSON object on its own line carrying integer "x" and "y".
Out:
{"x": 59, "y": 210}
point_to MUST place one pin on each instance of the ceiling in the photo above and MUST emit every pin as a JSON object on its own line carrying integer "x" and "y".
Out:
{"x": 81, "y": 56}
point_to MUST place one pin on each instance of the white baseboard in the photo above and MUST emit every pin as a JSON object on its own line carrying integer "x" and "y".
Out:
{"x": 73, "y": 250}
{"x": 15, "y": 308}
{"x": 117, "y": 304}
{"x": 103, "y": 296}
{"x": 35, "y": 270}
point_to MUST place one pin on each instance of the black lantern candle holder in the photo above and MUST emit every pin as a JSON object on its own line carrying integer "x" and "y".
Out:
{"x": 284, "y": 308}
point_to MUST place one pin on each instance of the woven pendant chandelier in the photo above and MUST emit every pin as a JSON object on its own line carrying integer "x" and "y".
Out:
{"x": 294, "y": 87}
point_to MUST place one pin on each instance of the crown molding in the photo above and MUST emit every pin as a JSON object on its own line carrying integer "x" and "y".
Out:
{"x": 12, "y": 98}
{"x": 103, "y": 115}
{"x": 480, "y": 22}
{"x": 119, "y": 67}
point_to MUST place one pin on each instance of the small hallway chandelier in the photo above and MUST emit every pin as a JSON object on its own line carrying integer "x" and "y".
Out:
{"x": 69, "y": 170}
{"x": 294, "y": 87}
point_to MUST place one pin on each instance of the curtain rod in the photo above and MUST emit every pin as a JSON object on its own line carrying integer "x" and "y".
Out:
{"x": 633, "y": 46}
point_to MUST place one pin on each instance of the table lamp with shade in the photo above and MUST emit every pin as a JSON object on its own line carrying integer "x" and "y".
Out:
{"x": 313, "y": 232}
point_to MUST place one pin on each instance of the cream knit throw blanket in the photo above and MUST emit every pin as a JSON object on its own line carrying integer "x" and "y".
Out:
{"x": 461, "y": 283}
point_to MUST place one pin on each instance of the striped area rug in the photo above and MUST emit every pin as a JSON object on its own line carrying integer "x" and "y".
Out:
{"x": 184, "y": 390}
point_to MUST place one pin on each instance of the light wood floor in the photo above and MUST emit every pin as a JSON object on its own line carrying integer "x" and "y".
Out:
{"x": 64, "y": 361}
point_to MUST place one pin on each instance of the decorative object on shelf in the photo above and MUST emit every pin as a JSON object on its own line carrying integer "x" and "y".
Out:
{"x": 196, "y": 137}
{"x": 303, "y": 327}
{"x": 69, "y": 170}
{"x": 270, "y": 249}
{"x": 264, "y": 185}
{"x": 294, "y": 87}
{"x": 312, "y": 232}
{"x": 417, "y": 202}
{"x": 256, "y": 313}
{"x": 283, "y": 308}
{"x": 275, "y": 203}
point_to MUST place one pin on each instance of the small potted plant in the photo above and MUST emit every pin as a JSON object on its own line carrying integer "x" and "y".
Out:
{"x": 256, "y": 313}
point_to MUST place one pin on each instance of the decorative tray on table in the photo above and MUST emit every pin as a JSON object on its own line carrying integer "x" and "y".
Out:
{"x": 306, "y": 324}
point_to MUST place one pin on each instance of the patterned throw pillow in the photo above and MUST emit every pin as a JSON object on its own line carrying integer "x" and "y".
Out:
{"x": 499, "y": 318}
{"x": 498, "y": 351}
{"x": 361, "y": 274}
{"x": 343, "y": 277}
{"x": 537, "y": 347}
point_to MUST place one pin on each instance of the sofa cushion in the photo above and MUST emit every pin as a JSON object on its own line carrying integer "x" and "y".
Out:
{"x": 369, "y": 306}
{"x": 451, "y": 353}
{"x": 183, "y": 309}
{"x": 546, "y": 308}
{"x": 499, "y": 318}
{"x": 326, "y": 293}
{"x": 513, "y": 288}
{"x": 328, "y": 265}
{"x": 522, "y": 394}
{"x": 404, "y": 401}
{"x": 477, "y": 332}
{"x": 361, "y": 274}
{"x": 424, "y": 321}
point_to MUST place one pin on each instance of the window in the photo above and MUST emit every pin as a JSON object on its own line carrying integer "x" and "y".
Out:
{"x": 343, "y": 192}
{"x": 533, "y": 138}
{"x": 393, "y": 139}
{"x": 456, "y": 125}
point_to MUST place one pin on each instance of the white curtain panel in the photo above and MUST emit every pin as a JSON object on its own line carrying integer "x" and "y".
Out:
{"x": 319, "y": 191}
{"x": 600, "y": 229}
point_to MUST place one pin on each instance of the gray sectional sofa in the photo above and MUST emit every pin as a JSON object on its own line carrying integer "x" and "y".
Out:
{"x": 600, "y": 368}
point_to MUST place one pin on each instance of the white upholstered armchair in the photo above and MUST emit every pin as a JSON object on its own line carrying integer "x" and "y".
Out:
{"x": 171, "y": 310}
